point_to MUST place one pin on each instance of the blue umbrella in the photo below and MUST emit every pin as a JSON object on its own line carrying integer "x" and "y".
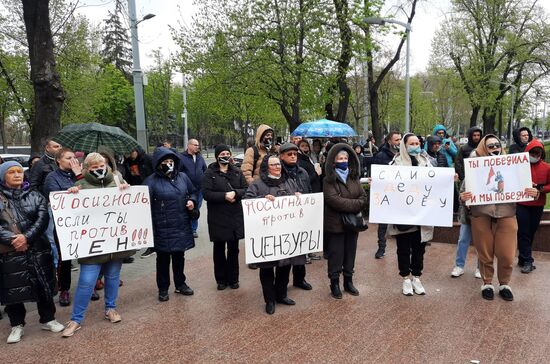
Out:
{"x": 324, "y": 129}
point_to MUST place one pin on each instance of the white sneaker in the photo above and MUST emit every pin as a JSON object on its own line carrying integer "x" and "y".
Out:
{"x": 16, "y": 334}
{"x": 53, "y": 326}
{"x": 457, "y": 272}
{"x": 417, "y": 286}
{"x": 477, "y": 274}
{"x": 407, "y": 287}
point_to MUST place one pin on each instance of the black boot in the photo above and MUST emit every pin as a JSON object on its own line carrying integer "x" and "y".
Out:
{"x": 349, "y": 287}
{"x": 335, "y": 288}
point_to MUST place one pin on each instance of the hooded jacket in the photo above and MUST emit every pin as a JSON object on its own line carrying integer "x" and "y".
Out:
{"x": 437, "y": 159}
{"x": 169, "y": 196}
{"x": 519, "y": 147}
{"x": 225, "y": 219}
{"x": 251, "y": 171}
{"x": 493, "y": 210}
{"x": 540, "y": 174}
{"x": 450, "y": 153}
{"x": 404, "y": 159}
{"x": 19, "y": 271}
{"x": 341, "y": 197}
{"x": 136, "y": 170}
{"x": 385, "y": 155}
{"x": 466, "y": 150}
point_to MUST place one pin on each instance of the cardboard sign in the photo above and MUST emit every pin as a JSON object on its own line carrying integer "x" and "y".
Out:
{"x": 498, "y": 179}
{"x": 102, "y": 220}
{"x": 411, "y": 195}
{"x": 287, "y": 227}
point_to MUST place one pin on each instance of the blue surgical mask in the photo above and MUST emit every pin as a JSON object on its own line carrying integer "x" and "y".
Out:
{"x": 414, "y": 150}
{"x": 341, "y": 165}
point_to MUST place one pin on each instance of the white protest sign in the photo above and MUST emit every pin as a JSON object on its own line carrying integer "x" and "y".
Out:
{"x": 498, "y": 179}
{"x": 287, "y": 227}
{"x": 102, "y": 220}
{"x": 411, "y": 195}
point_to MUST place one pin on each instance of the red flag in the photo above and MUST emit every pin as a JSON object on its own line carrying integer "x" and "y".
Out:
{"x": 491, "y": 174}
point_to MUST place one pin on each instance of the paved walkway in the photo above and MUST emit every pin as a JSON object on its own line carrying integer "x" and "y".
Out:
{"x": 451, "y": 324}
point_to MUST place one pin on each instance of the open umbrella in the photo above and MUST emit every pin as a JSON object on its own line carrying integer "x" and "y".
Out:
{"x": 90, "y": 136}
{"x": 324, "y": 129}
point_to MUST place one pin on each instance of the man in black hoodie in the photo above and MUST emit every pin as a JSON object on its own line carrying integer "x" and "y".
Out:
{"x": 522, "y": 137}
{"x": 474, "y": 136}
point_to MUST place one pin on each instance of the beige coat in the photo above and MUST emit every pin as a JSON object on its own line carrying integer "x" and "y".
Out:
{"x": 250, "y": 173}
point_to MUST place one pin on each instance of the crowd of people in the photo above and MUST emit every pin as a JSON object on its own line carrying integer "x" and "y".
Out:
{"x": 31, "y": 268}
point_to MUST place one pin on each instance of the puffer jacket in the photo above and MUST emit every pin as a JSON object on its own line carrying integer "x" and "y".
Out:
{"x": 225, "y": 219}
{"x": 24, "y": 275}
{"x": 261, "y": 188}
{"x": 169, "y": 196}
{"x": 250, "y": 171}
{"x": 339, "y": 196}
{"x": 59, "y": 180}
{"x": 404, "y": 159}
{"x": 88, "y": 182}
{"x": 450, "y": 153}
{"x": 493, "y": 210}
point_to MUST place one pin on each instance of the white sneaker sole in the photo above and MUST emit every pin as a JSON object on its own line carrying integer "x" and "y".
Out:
{"x": 14, "y": 341}
{"x": 46, "y": 328}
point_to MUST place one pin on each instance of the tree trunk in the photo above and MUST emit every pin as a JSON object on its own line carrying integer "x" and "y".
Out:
{"x": 48, "y": 92}
{"x": 473, "y": 117}
{"x": 489, "y": 117}
{"x": 377, "y": 128}
{"x": 344, "y": 60}
{"x": 499, "y": 122}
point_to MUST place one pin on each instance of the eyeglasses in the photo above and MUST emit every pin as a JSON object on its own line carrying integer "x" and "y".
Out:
{"x": 195, "y": 145}
{"x": 291, "y": 153}
{"x": 493, "y": 146}
{"x": 274, "y": 164}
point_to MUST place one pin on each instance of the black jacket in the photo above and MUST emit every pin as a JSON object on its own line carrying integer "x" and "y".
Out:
{"x": 314, "y": 178}
{"x": 519, "y": 147}
{"x": 137, "y": 170}
{"x": 40, "y": 171}
{"x": 300, "y": 176}
{"x": 225, "y": 219}
{"x": 384, "y": 155}
{"x": 465, "y": 151}
{"x": 24, "y": 275}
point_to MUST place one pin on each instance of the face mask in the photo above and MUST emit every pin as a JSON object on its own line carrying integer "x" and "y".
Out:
{"x": 167, "y": 168}
{"x": 341, "y": 165}
{"x": 99, "y": 173}
{"x": 496, "y": 152}
{"x": 413, "y": 150}
{"x": 395, "y": 147}
{"x": 534, "y": 159}
{"x": 223, "y": 160}
{"x": 267, "y": 143}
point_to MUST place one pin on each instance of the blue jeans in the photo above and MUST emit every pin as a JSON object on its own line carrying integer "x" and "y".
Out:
{"x": 86, "y": 284}
{"x": 195, "y": 223}
{"x": 51, "y": 239}
{"x": 464, "y": 241}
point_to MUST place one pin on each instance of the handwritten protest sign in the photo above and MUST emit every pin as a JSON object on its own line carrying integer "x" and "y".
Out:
{"x": 498, "y": 179}
{"x": 284, "y": 228}
{"x": 102, "y": 220}
{"x": 411, "y": 195}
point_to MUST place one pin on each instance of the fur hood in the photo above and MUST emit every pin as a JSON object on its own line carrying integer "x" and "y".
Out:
{"x": 353, "y": 162}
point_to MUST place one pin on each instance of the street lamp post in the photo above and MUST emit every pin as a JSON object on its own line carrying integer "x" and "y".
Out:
{"x": 184, "y": 115}
{"x": 141, "y": 131}
{"x": 408, "y": 30}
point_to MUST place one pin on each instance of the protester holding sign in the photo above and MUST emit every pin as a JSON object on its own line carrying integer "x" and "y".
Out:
{"x": 274, "y": 182}
{"x": 26, "y": 263}
{"x": 343, "y": 193}
{"x": 224, "y": 187}
{"x": 173, "y": 198}
{"x": 411, "y": 240}
{"x": 529, "y": 213}
{"x": 96, "y": 175}
{"x": 64, "y": 177}
{"x": 494, "y": 228}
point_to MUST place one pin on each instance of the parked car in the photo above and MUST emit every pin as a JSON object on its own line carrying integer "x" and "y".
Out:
{"x": 23, "y": 159}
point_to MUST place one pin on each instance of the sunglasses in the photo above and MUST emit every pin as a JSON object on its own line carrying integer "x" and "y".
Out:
{"x": 493, "y": 146}
{"x": 291, "y": 153}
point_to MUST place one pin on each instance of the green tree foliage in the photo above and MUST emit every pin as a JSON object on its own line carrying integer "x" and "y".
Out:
{"x": 116, "y": 46}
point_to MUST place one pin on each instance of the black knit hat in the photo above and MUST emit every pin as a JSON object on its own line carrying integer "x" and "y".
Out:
{"x": 220, "y": 148}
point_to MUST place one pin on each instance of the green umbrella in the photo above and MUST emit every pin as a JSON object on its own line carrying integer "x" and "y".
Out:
{"x": 90, "y": 136}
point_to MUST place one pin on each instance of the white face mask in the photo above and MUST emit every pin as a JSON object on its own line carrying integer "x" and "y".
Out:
{"x": 534, "y": 159}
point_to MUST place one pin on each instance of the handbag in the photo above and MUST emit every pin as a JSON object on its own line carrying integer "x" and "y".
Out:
{"x": 195, "y": 213}
{"x": 353, "y": 222}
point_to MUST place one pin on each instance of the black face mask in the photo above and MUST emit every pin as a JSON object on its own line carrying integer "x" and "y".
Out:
{"x": 267, "y": 143}
{"x": 167, "y": 168}
{"x": 99, "y": 173}
{"x": 223, "y": 160}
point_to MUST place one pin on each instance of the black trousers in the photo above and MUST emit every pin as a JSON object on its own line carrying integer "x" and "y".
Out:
{"x": 528, "y": 218}
{"x": 410, "y": 253}
{"x": 63, "y": 269}
{"x": 163, "y": 269}
{"x": 274, "y": 282}
{"x": 17, "y": 312}
{"x": 341, "y": 249}
{"x": 226, "y": 267}
{"x": 382, "y": 228}
{"x": 298, "y": 273}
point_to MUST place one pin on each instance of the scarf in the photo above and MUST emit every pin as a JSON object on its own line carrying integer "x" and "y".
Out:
{"x": 342, "y": 174}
